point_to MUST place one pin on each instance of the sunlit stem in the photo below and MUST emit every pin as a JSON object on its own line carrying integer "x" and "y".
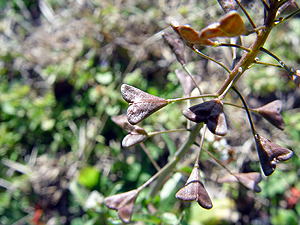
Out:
{"x": 235, "y": 46}
{"x": 192, "y": 97}
{"x": 289, "y": 70}
{"x": 239, "y": 106}
{"x": 151, "y": 134}
{"x": 265, "y": 5}
{"x": 201, "y": 145}
{"x": 192, "y": 77}
{"x": 209, "y": 58}
{"x": 222, "y": 96}
{"x": 267, "y": 64}
{"x": 157, "y": 167}
{"x": 287, "y": 17}
{"x": 169, "y": 167}
{"x": 247, "y": 110}
{"x": 247, "y": 15}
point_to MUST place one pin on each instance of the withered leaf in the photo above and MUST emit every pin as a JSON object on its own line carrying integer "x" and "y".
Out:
{"x": 123, "y": 203}
{"x": 194, "y": 190}
{"x": 228, "y": 5}
{"x": 136, "y": 135}
{"x": 230, "y": 25}
{"x": 270, "y": 153}
{"x": 249, "y": 180}
{"x": 211, "y": 113}
{"x": 186, "y": 81}
{"x": 141, "y": 104}
{"x": 272, "y": 113}
{"x": 190, "y": 35}
{"x": 176, "y": 46}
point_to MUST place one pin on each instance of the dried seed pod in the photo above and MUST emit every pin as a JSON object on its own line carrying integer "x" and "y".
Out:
{"x": 141, "y": 103}
{"x": 186, "y": 81}
{"x": 230, "y": 25}
{"x": 270, "y": 153}
{"x": 176, "y": 46}
{"x": 194, "y": 190}
{"x": 228, "y": 5}
{"x": 272, "y": 113}
{"x": 123, "y": 203}
{"x": 249, "y": 180}
{"x": 211, "y": 113}
{"x": 136, "y": 135}
{"x": 190, "y": 35}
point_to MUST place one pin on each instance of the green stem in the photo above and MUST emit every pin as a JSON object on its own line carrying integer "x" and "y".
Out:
{"x": 192, "y": 97}
{"x": 247, "y": 110}
{"x": 150, "y": 134}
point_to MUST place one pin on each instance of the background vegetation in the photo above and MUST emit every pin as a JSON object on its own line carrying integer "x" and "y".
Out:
{"x": 62, "y": 64}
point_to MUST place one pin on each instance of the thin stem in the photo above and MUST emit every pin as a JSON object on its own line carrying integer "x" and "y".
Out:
{"x": 265, "y": 5}
{"x": 289, "y": 70}
{"x": 222, "y": 96}
{"x": 238, "y": 106}
{"x": 209, "y": 58}
{"x": 267, "y": 64}
{"x": 247, "y": 110}
{"x": 201, "y": 145}
{"x": 168, "y": 168}
{"x": 157, "y": 167}
{"x": 192, "y": 97}
{"x": 287, "y": 17}
{"x": 192, "y": 77}
{"x": 150, "y": 134}
{"x": 235, "y": 46}
{"x": 247, "y": 15}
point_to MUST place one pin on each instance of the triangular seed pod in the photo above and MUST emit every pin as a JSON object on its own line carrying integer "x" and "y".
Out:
{"x": 123, "y": 203}
{"x": 272, "y": 113}
{"x": 270, "y": 153}
{"x": 230, "y": 25}
{"x": 141, "y": 103}
{"x": 190, "y": 35}
{"x": 249, "y": 180}
{"x": 176, "y": 46}
{"x": 136, "y": 135}
{"x": 194, "y": 190}
{"x": 210, "y": 112}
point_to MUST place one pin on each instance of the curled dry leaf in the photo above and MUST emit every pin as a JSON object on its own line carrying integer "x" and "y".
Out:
{"x": 176, "y": 46}
{"x": 186, "y": 81}
{"x": 272, "y": 113}
{"x": 136, "y": 135}
{"x": 270, "y": 153}
{"x": 141, "y": 103}
{"x": 194, "y": 190}
{"x": 211, "y": 113}
{"x": 123, "y": 203}
{"x": 230, "y": 25}
{"x": 190, "y": 35}
{"x": 249, "y": 180}
{"x": 228, "y": 5}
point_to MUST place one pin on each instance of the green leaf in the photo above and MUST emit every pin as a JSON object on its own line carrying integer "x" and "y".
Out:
{"x": 89, "y": 177}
